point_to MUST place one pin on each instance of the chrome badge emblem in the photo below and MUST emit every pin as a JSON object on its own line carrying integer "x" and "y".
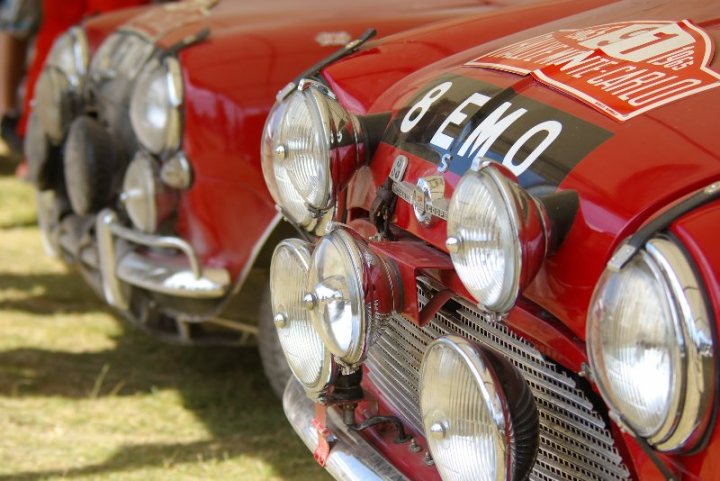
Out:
{"x": 427, "y": 196}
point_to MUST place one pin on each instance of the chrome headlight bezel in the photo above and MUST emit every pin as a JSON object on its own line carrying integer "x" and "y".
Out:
{"x": 60, "y": 87}
{"x": 320, "y": 297}
{"x": 304, "y": 173}
{"x": 692, "y": 391}
{"x": 491, "y": 378}
{"x": 160, "y": 78}
{"x": 522, "y": 225}
{"x": 348, "y": 338}
{"x": 300, "y": 252}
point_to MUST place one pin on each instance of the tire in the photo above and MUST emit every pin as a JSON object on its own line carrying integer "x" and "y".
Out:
{"x": 274, "y": 365}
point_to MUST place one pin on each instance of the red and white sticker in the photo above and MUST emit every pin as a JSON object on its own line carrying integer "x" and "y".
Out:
{"x": 622, "y": 69}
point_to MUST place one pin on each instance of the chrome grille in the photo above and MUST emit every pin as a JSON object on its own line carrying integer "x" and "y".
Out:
{"x": 574, "y": 441}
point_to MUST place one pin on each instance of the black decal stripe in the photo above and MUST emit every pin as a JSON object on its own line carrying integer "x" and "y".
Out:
{"x": 576, "y": 140}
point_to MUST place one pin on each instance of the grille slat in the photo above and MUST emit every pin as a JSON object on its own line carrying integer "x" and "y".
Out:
{"x": 574, "y": 441}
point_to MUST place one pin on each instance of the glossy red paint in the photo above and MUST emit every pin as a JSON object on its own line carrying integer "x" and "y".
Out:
{"x": 645, "y": 164}
{"x": 231, "y": 81}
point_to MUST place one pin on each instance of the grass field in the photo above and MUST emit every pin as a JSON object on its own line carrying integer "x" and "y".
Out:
{"x": 82, "y": 396}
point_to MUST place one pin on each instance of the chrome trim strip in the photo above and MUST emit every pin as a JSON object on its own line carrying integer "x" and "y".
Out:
{"x": 257, "y": 248}
{"x": 150, "y": 240}
{"x": 351, "y": 457}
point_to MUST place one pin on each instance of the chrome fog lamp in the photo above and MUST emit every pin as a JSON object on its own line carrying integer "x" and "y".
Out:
{"x": 146, "y": 200}
{"x": 155, "y": 106}
{"x": 307, "y": 356}
{"x": 59, "y": 88}
{"x": 479, "y": 415}
{"x": 497, "y": 236}
{"x": 311, "y": 147}
{"x": 651, "y": 348}
{"x": 345, "y": 314}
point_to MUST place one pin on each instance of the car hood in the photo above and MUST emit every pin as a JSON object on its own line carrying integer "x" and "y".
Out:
{"x": 624, "y": 169}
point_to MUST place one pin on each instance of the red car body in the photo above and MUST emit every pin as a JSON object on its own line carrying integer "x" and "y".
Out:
{"x": 626, "y": 173}
{"x": 243, "y": 55}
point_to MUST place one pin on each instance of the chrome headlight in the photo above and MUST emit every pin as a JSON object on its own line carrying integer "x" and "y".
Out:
{"x": 650, "y": 346}
{"x": 59, "y": 87}
{"x": 307, "y": 356}
{"x": 496, "y": 236}
{"x": 146, "y": 200}
{"x": 343, "y": 312}
{"x": 480, "y": 418}
{"x": 122, "y": 54}
{"x": 155, "y": 106}
{"x": 310, "y": 149}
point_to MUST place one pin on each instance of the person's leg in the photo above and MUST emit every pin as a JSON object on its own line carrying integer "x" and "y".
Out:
{"x": 12, "y": 64}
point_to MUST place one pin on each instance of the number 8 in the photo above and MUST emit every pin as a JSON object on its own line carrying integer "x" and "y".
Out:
{"x": 418, "y": 111}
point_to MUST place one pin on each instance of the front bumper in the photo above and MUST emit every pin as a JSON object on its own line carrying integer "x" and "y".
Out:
{"x": 175, "y": 275}
{"x": 351, "y": 457}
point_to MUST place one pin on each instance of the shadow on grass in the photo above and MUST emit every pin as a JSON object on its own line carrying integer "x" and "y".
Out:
{"x": 164, "y": 455}
{"x": 49, "y": 293}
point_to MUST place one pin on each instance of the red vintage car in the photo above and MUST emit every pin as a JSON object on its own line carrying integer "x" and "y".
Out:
{"x": 510, "y": 269}
{"x": 144, "y": 147}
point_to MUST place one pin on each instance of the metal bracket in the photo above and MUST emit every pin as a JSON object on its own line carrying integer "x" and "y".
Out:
{"x": 326, "y": 439}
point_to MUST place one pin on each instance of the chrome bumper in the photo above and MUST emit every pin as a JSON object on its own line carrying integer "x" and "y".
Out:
{"x": 351, "y": 457}
{"x": 180, "y": 275}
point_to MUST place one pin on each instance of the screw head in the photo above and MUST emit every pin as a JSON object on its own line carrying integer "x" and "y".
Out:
{"x": 438, "y": 430}
{"x": 280, "y": 152}
{"x": 280, "y": 320}
{"x": 452, "y": 244}
{"x": 309, "y": 300}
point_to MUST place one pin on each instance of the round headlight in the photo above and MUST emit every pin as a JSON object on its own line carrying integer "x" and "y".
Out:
{"x": 496, "y": 236}
{"x": 480, "y": 418}
{"x": 154, "y": 106}
{"x": 309, "y": 360}
{"x": 343, "y": 313}
{"x": 309, "y": 151}
{"x": 650, "y": 346}
{"x": 146, "y": 200}
{"x": 336, "y": 296}
{"x": 59, "y": 87}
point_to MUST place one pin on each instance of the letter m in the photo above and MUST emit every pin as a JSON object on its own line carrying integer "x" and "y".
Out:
{"x": 481, "y": 139}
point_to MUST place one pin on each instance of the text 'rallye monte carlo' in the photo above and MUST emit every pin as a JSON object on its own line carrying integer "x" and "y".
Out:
{"x": 144, "y": 148}
{"x": 510, "y": 269}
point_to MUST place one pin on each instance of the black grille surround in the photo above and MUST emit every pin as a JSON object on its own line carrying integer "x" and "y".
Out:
{"x": 575, "y": 443}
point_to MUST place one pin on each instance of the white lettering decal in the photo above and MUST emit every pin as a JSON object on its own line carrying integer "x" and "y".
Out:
{"x": 552, "y": 129}
{"x": 418, "y": 111}
{"x": 441, "y": 139}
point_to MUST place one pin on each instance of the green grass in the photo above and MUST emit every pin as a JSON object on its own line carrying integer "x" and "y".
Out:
{"x": 84, "y": 397}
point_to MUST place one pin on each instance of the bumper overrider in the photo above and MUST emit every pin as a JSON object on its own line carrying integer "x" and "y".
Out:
{"x": 178, "y": 275}
{"x": 351, "y": 458}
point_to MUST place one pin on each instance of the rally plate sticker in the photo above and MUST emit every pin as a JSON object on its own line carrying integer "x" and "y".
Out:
{"x": 621, "y": 69}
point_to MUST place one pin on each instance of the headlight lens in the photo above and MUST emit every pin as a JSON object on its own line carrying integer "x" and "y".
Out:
{"x": 154, "y": 106}
{"x": 343, "y": 313}
{"x": 310, "y": 148}
{"x": 470, "y": 422}
{"x": 59, "y": 87}
{"x": 147, "y": 202}
{"x": 496, "y": 237}
{"x": 650, "y": 345}
{"x": 336, "y": 296}
{"x": 309, "y": 360}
